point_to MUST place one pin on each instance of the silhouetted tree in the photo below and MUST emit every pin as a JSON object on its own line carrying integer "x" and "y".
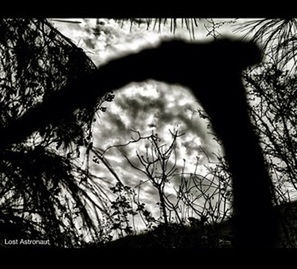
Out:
{"x": 226, "y": 59}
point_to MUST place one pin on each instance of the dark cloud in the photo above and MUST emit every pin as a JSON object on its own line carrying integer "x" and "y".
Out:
{"x": 139, "y": 107}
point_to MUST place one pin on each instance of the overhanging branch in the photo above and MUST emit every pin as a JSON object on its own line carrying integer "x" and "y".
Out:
{"x": 172, "y": 62}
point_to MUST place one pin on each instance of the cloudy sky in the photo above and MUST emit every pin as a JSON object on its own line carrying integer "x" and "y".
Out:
{"x": 148, "y": 107}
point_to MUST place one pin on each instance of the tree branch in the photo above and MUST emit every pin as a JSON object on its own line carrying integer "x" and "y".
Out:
{"x": 172, "y": 62}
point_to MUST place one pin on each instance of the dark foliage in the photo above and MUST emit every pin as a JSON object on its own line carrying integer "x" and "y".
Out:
{"x": 40, "y": 194}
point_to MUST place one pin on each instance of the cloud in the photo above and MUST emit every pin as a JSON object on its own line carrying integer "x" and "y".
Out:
{"x": 166, "y": 108}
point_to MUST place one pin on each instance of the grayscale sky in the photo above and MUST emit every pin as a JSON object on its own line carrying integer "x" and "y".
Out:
{"x": 144, "y": 107}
